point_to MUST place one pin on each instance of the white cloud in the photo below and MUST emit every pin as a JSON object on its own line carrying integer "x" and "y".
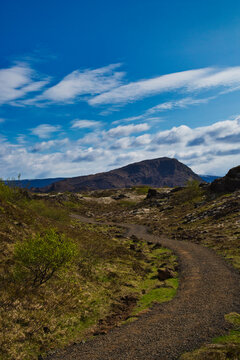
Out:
{"x": 142, "y": 140}
{"x": 81, "y": 124}
{"x": 105, "y": 86}
{"x": 2, "y": 120}
{"x": 182, "y": 103}
{"x": 172, "y": 136}
{"x": 83, "y": 82}
{"x": 125, "y": 130}
{"x": 211, "y": 149}
{"x": 46, "y": 145}
{"x": 228, "y": 77}
{"x": 17, "y": 81}
{"x": 190, "y": 80}
{"x": 45, "y": 130}
{"x": 139, "y": 89}
{"x": 123, "y": 143}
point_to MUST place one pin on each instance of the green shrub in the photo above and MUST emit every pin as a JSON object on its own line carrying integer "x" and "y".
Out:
{"x": 39, "y": 257}
{"x": 8, "y": 193}
{"x": 191, "y": 193}
{"x": 141, "y": 190}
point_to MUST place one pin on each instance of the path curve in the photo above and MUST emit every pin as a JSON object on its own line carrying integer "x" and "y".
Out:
{"x": 209, "y": 288}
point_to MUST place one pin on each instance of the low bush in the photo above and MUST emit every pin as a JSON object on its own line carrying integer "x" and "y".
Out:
{"x": 8, "y": 193}
{"x": 39, "y": 257}
{"x": 191, "y": 193}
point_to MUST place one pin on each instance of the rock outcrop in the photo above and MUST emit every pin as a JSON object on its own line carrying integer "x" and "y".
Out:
{"x": 229, "y": 183}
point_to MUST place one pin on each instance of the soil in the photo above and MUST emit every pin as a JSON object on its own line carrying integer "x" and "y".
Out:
{"x": 209, "y": 288}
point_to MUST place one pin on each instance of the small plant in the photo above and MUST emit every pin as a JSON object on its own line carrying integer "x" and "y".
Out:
{"x": 7, "y": 193}
{"x": 141, "y": 190}
{"x": 38, "y": 258}
{"x": 191, "y": 193}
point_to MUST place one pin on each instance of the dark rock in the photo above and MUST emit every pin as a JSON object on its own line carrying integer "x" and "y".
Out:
{"x": 229, "y": 183}
{"x": 134, "y": 238}
{"x": 164, "y": 274}
{"x": 154, "y": 194}
{"x": 151, "y": 193}
{"x": 119, "y": 197}
{"x": 149, "y": 243}
{"x": 46, "y": 329}
{"x": 203, "y": 186}
{"x": 176, "y": 189}
{"x": 157, "y": 246}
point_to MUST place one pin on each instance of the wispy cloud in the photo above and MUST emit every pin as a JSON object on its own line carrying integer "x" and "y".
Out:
{"x": 18, "y": 81}
{"x": 182, "y": 103}
{"x": 2, "y": 120}
{"x": 190, "y": 80}
{"x": 45, "y": 130}
{"x": 106, "y": 86}
{"x": 83, "y": 82}
{"x": 139, "y": 89}
{"x": 166, "y": 106}
{"x": 81, "y": 124}
{"x": 125, "y": 130}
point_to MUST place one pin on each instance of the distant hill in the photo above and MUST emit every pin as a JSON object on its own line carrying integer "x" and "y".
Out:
{"x": 34, "y": 183}
{"x": 156, "y": 173}
{"x": 209, "y": 178}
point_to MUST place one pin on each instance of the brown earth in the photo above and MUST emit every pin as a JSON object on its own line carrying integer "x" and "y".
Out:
{"x": 209, "y": 288}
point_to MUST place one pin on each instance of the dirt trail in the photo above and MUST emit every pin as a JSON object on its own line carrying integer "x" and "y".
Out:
{"x": 209, "y": 288}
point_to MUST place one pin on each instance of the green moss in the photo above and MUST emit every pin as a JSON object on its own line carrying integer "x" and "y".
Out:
{"x": 127, "y": 203}
{"x": 141, "y": 190}
{"x": 158, "y": 295}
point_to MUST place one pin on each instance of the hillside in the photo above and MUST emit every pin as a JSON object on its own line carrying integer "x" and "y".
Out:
{"x": 156, "y": 173}
{"x": 116, "y": 276}
{"x": 107, "y": 277}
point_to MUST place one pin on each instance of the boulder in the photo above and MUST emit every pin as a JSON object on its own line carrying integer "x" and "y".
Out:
{"x": 164, "y": 274}
{"x": 154, "y": 194}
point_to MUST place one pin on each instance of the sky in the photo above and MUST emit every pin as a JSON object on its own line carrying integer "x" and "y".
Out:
{"x": 89, "y": 86}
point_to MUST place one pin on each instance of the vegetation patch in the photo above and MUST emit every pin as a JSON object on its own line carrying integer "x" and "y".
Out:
{"x": 63, "y": 280}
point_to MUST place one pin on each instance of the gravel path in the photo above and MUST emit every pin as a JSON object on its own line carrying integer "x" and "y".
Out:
{"x": 209, "y": 288}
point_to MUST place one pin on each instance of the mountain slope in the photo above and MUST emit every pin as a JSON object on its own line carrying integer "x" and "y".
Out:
{"x": 157, "y": 172}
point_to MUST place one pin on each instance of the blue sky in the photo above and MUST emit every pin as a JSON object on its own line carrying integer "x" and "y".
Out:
{"x": 87, "y": 86}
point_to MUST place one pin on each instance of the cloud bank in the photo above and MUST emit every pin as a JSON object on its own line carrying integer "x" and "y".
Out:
{"x": 209, "y": 149}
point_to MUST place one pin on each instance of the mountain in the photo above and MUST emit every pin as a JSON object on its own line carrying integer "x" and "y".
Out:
{"x": 32, "y": 183}
{"x": 156, "y": 173}
{"x": 209, "y": 178}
